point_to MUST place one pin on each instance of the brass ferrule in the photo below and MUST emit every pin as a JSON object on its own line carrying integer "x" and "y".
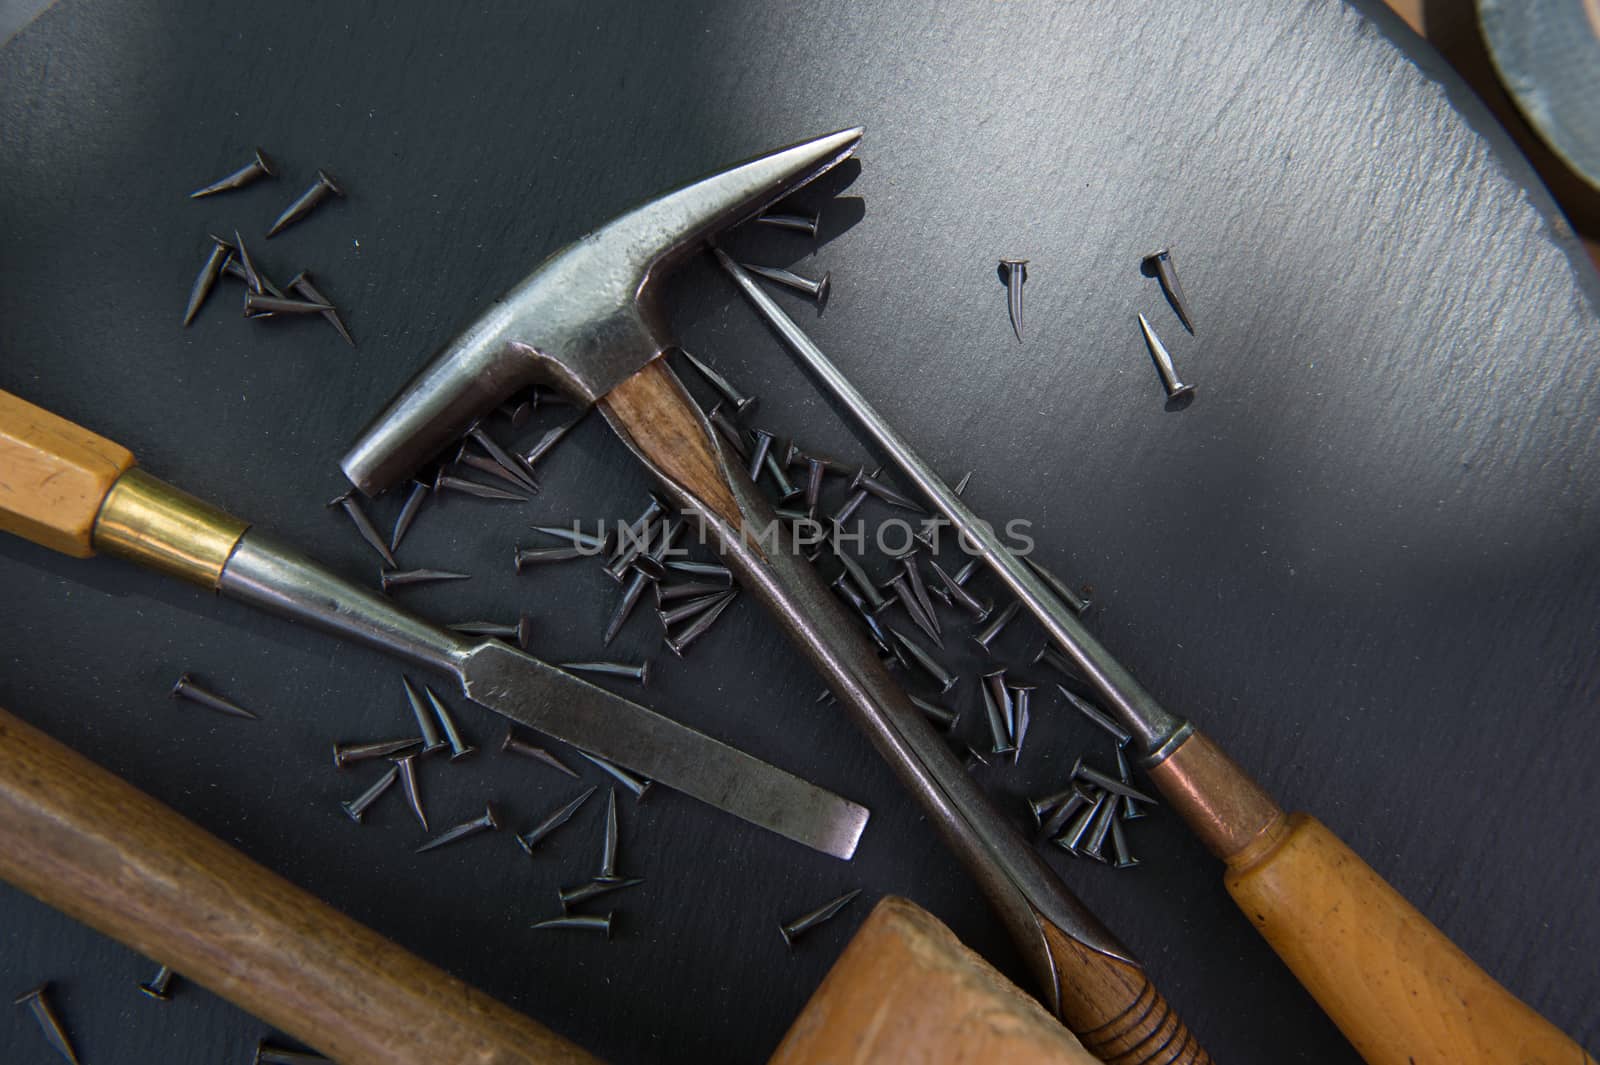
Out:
{"x": 149, "y": 521}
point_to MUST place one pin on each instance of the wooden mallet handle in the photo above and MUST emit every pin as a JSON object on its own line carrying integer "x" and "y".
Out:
{"x": 103, "y": 852}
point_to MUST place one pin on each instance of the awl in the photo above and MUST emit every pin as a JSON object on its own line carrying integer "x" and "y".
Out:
{"x": 68, "y": 489}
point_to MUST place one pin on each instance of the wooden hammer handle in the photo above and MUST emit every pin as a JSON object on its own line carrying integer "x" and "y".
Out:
{"x": 1108, "y": 1001}
{"x": 1401, "y": 992}
{"x": 82, "y": 840}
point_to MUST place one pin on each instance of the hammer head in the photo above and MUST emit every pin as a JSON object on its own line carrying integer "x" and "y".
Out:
{"x": 582, "y": 322}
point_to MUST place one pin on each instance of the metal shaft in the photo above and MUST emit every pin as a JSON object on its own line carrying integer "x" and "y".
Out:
{"x": 1157, "y": 731}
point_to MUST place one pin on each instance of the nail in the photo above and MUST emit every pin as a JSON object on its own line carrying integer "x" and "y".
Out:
{"x": 1080, "y": 771}
{"x": 508, "y": 462}
{"x": 792, "y": 930}
{"x": 1016, "y": 273}
{"x": 942, "y": 676}
{"x": 38, "y": 1003}
{"x": 999, "y": 728}
{"x": 459, "y": 748}
{"x": 1045, "y": 804}
{"x": 667, "y": 592}
{"x": 583, "y": 921}
{"x": 974, "y": 759}
{"x": 408, "y": 513}
{"x": 301, "y": 283}
{"x": 961, "y": 485}
{"x": 608, "y": 842}
{"x": 485, "y": 464}
{"x": 730, "y": 431}
{"x": 261, "y": 305}
{"x": 252, "y": 277}
{"x": 1167, "y": 273}
{"x": 846, "y": 589}
{"x": 979, "y": 609}
{"x": 1158, "y": 351}
{"x": 1070, "y": 807}
{"x": 1021, "y": 699}
{"x": 267, "y": 1054}
{"x": 817, "y": 290}
{"x": 759, "y": 454}
{"x": 786, "y": 488}
{"x": 638, "y": 786}
{"x": 869, "y": 591}
{"x": 527, "y": 556}
{"x": 803, "y": 223}
{"x": 187, "y": 688}
{"x": 206, "y": 280}
{"x": 521, "y": 633}
{"x": 697, "y": 628}
{"x": 486, "y": 823}
{"x": 407, "y": 764}
{"x": 1075, "y": 833}
{"x": 1095, "y": 714}
{"x": 324, "y": 186}
{"x": 572, "y": 896}
{"x": 397, "y": 578}
{"x": 432, "y": 739}
{"x": 512, "y": 745}
{"x": 964, "y": 574}
{"x": 815, "y": 468}
{"x": 742, "y": 404}
{"x": 1077, "y": 602}
{"x": 1119, "y": 847}
{"x": 254, "y": 170}
{"x": 852, "y": 504}
{"x": 531, "y": 838}
{"x": 945, "y": 718}
{"x": 795, "y": 455}
{"x": 445, "y": 482}
{"x": 991, "y": 630}
{"x": 1131, "y": 810}
{"x": 358, "y": 517}
{"x": 704, "y": 571}
{"x": 635, "y": 536}
{"x": 356, "y": 807}
{"x": 159, "y": 986}
{"x": 630, "y": 599}
{"x": 546, "y": 443}
{"x": 913, "y": 609}
{"x": 1094, "y": 847}
{"x": 590, "y": 542}
{"x": 869, "y": 482}
{"x": 50, "y": 1025}
{"x": 640, "y": 673}
{"x": 348, "y": 754}
{"x": 913, "y": 572}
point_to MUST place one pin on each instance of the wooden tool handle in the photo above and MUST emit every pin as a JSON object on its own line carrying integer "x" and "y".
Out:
{"x": 1401, "y": 992}
{"x": 907, "y": 990}
{"x": 67, "y": 489}
{"x": 83, "y": 841}
{"x": 54, "y": 476}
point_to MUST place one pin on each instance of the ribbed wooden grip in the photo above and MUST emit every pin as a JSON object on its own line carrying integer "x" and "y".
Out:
{"x": 1401, "y": 992}
{"x": 89, "y": 844}
{"x": 53, "y": 476}
{"x": 1115, "y": 1011}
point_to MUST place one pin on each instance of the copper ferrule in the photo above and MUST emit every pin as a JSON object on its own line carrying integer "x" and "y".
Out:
{"x": 149, "y": 521}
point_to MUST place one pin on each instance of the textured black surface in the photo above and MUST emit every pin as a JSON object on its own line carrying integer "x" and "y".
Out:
{"x": 1365, "y": 559}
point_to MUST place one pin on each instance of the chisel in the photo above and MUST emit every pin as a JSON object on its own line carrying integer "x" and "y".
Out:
{"x": 70, "y": 490}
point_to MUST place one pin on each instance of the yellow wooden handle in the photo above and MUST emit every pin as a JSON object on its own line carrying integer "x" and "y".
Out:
{"x": 1400, "y": 991}
{"x": 53, "y": 477}
{"x": 72, "y": 491}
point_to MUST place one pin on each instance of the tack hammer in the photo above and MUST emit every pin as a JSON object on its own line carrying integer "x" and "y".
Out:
{"x": 588, "y": 322}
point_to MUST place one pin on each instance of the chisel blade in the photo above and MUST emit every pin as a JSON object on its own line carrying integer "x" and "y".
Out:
{"x": 532, "y": 693}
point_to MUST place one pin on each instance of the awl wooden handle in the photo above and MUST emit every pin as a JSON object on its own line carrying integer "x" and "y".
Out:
{"x": 91, "y": 845}
{"x": 1401, "y": 992}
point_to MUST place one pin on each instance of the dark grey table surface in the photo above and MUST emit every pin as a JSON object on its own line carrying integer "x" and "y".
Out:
{"x": 1365, "y": 559}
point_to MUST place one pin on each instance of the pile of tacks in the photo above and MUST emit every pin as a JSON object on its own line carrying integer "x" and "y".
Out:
{"x": 262, "y": 298}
